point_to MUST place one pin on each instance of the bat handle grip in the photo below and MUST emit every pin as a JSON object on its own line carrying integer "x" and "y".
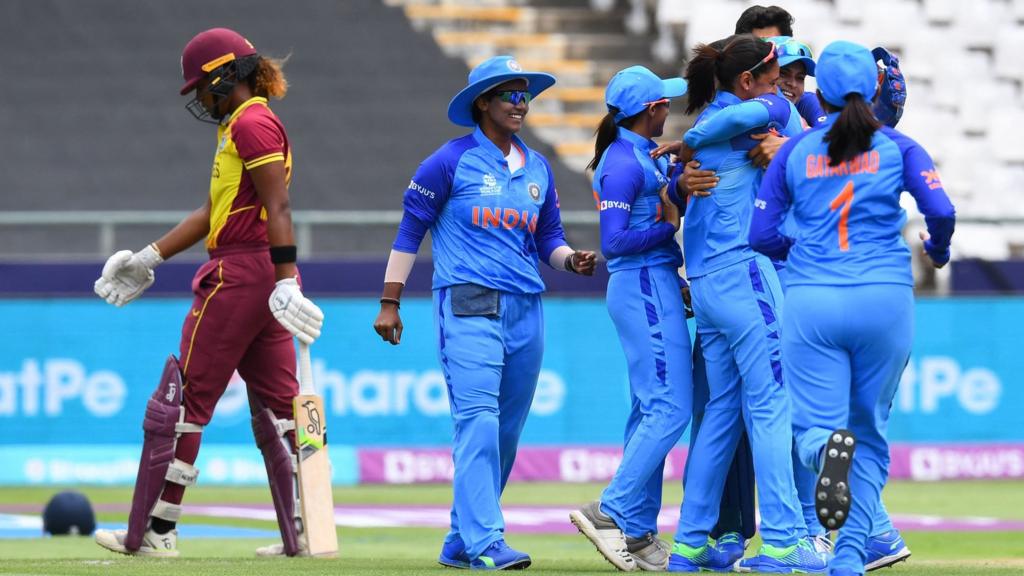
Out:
{"x": 305, "y": 370}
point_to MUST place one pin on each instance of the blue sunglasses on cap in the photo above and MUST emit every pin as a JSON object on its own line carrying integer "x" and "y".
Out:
{"x": 794, "y": 48}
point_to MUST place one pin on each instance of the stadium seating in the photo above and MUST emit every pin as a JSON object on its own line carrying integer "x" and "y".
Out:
{"x": 962, "y": 61}
{"x": 98, "y": 124}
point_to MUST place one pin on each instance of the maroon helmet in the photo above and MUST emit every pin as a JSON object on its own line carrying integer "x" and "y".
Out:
{"x": 210, "y": 50}
{"x": 222, "y": 55}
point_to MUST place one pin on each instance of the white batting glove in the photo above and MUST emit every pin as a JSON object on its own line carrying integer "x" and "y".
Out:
{"x": 126, "y": 275}
{"x": 296, "y": 312}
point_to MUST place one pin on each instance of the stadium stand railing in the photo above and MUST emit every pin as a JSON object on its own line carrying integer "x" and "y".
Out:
{"x": 365, "y": 110}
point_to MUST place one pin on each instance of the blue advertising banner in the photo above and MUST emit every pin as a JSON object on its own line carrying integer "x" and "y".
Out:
{"x": 78, "y": 373}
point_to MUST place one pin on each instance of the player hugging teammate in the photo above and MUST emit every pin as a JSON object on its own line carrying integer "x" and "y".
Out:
{"x": 857, "y": 232}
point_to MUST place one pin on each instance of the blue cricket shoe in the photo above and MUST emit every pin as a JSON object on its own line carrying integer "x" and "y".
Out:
{"x": 885, "y": 550}
{"x": 707, "y": 558}
{"x": 453, "y": 553}
{"x": 732, "y": 545}
{"x": 801, "y": 558}
{"x": 499, "y": 556}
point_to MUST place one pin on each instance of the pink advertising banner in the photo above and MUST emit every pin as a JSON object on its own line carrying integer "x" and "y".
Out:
{"x": 923, "y": 462}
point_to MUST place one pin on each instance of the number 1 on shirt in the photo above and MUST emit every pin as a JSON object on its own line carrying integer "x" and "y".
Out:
{"x": 844, "y": 199}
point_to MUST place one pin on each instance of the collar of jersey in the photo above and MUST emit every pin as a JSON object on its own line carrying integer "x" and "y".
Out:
{"x": 238, "y": 111}
{"x": 636, "y": 140}
{"x": 830, "y": 119}
{"x": 496, "y": 152}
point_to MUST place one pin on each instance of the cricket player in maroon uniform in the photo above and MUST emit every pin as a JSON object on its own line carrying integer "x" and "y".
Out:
{"x": 247, "y": 225}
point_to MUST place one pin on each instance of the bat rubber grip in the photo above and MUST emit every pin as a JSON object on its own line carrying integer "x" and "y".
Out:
{"x": 305, "y": 370}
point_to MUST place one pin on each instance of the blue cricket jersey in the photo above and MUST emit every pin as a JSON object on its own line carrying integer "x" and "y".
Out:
{"x": 626, "y": 186}
{"x": 716, "y": 227}
{"x": 487, "y": 226}
{"x": 810, "y": 109}
{"x": 848, "y": 217}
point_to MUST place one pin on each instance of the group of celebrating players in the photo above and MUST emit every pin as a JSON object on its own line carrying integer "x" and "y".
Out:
{"x": 799, "y": 281}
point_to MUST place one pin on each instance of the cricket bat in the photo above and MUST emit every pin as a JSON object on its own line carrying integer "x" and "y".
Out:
{"x": 314, "y": 473}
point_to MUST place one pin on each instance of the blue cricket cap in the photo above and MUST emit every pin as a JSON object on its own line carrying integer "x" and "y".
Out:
{"x": 791, "y": 50}
{"x": 632, "y": 89}
{"x": 846, "y": 68}
{"x": 487, "y": 75}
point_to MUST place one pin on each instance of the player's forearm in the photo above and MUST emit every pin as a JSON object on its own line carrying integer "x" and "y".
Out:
{"x": 623, "y": 242}
{"x": 940, "y": 230}
{"x": 271, "y": 186}
{"x": 281, "y": 233}
{"x": 392, "y": 290}
{"x": 765, "y": 235}
{"x": 398, "y": 269}
{"x": 728, "y": 123}
{"x": 192, "y": 229}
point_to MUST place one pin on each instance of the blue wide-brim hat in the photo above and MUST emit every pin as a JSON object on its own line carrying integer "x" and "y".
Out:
{"x": 846, "y": 68}
{"x": 487, "y": 75}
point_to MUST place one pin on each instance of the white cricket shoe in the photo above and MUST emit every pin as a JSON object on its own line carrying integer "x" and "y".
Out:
{"x": 153, "y": 544}
{"x": 606, "y": 536}
{"x": 278, "y": 549}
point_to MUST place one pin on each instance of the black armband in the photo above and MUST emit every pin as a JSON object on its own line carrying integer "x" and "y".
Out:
{"x": 283, "y": 254}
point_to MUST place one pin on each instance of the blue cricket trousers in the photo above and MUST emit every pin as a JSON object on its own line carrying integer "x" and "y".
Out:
{"x": 738, "y": 311}
{"x": 853, "y": 343}
{"x": 736, "y": 512}
{"x": 490, "y": 364}
{"x": 646, "y": 306}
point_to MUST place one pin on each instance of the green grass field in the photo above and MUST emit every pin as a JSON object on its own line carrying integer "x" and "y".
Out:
{"x": 413, "y": 550}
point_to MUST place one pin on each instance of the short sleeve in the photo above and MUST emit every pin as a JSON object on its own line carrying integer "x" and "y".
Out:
{"x": 259, "y": 139}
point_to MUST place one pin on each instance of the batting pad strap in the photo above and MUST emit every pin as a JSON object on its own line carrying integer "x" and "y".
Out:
{"x": 181, "y": 472}
{"x": 187, "y": 428}
{"x": 283, "y": 426}
{"x": 166, "y": 511}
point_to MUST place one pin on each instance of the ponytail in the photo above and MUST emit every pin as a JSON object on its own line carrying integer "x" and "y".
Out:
{"x": 606, "y": 133}
{"x": 608, "y": 130}
{"x": 268, "y": 79}
{"x": 700, "y": 76}
{"x": 853, "y": 130}
{"x": 722, "y": 60}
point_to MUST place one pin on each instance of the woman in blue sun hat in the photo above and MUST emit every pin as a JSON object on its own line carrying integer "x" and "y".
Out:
{"x": 639, "y": 215}
{"x": 491, "y": 207}
{"x": 849, "y": 301}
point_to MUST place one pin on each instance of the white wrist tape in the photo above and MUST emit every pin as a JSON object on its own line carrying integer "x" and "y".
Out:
{"x": 399, "y": 267}
{"x": 558, "y": 258}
